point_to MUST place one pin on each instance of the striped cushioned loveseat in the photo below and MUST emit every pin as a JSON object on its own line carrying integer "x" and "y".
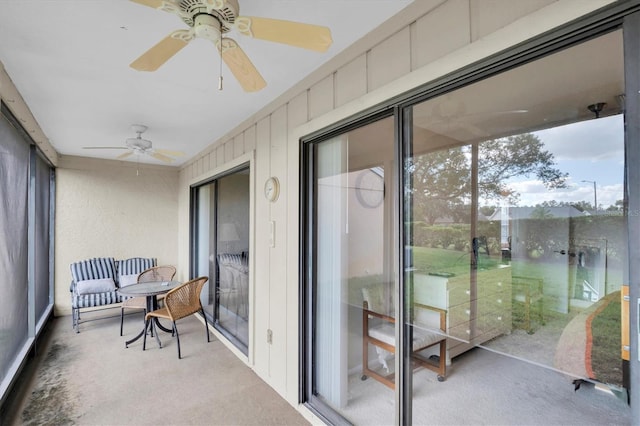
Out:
{"x": 105, "y": 269}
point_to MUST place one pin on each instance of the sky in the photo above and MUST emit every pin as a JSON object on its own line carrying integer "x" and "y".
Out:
{"x": 591, "y": 150}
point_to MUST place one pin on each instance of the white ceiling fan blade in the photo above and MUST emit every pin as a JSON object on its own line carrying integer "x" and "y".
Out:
{"x": 161, "y": 157}
{"x": 153, "y": 58}
{"x": 169, "y": 152}
{"x": 125, "y": 155}
{"x": 241, "y": 66}
{"x": 306, "y": 36}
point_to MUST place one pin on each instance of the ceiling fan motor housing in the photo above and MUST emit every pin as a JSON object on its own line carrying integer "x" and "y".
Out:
{"x": 139, "y": 145}
{"x": 224, "y": 11}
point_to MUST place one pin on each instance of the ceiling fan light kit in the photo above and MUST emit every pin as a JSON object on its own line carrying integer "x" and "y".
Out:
{"x": 211, "y": 20}
{"x": 596, "y": 108}
{"x": 207, "y": 27}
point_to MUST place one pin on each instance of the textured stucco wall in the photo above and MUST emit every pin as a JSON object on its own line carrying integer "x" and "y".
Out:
{"x": 112, "y": 209}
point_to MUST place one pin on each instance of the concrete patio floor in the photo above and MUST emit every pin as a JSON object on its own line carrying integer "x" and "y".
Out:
{"x": 90, "y": 378}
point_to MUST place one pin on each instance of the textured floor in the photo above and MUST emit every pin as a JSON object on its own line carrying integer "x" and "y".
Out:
{"x": 485, "y": 388}
{"x": 90, "y": 378}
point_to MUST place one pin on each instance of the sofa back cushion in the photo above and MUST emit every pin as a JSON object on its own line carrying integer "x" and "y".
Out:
{"x": 131, "y": 266}
{"x": 230, "y": 258}
{"x": 127, "y": 279}
{"x": 93, "y": 269}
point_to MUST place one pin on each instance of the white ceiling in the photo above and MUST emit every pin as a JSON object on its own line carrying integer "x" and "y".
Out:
{"x": 70, "y": 59}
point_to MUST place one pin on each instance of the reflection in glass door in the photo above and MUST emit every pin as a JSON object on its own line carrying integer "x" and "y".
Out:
{"x": 515, "y": 243}
{"x": 517, "y": 224}
{"x": 222, "y": 244}
{"x": 354, "y": 282}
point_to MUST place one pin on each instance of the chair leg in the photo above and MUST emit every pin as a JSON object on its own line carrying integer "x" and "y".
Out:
{"x": 206, "y": 326}
{"x": 175, "y": 329}
{"x": 144, "y": 315}
{"x": 144, "y": 338}
{"x": 76, "y": 320}
{"x": 121, "y": 319}
{"x": 442, "y": 362}
{"x": 157, "y": 336}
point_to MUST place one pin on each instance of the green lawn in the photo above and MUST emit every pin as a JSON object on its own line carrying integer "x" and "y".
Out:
{"x": 606, "y": 361}
{"x": 437, "y": 260}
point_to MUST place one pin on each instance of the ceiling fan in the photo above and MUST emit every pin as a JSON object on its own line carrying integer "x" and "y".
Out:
{"x": 211, "y": 20}
{"x": 141, "y": 146}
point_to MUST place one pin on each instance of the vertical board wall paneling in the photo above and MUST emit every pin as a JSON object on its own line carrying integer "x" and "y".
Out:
{"x": 297, "y": 114}
{"x": 278, "y": 254}
{"x": 351, "y": 80}
{"x": 389, "y": 60}
{"x": 451, "y": 18}
{"x": 321, "y": 98}
{"x": 261, "y": 263}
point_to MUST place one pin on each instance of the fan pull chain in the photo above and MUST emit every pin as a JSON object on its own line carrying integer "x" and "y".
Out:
{"x": 220, "y": 77}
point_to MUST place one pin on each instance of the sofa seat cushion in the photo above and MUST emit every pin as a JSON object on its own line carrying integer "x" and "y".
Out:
{"x": 385, "y": 332}
{"x": 100, "y": 285}
{"x": 95, "y": 299}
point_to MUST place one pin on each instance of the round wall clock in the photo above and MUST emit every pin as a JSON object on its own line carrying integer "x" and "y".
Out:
{"x": 272, "y": 189}
{"x": 370, "y": 188}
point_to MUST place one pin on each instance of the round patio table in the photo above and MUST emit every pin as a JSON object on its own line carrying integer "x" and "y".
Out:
{"x": 150, "y": 290}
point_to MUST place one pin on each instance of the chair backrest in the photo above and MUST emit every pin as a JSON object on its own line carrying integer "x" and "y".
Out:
{"x": 184, "y": 300}
{"x": 157, "y": 273}
{"x": 380, "y": 298}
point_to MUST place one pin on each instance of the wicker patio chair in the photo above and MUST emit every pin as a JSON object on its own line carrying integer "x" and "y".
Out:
{"x": 156, "y": 273}
{"x": 180, "y": 302}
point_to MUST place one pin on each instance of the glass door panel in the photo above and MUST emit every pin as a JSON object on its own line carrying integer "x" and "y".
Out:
{"x": 517, "y": 225}
{"x": 353, "y": 246}
{"x": 223, "y": 253}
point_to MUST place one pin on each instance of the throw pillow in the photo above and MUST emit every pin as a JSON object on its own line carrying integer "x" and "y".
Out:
{"x": 101, "y": 285}
{"x": 126, "y": 280}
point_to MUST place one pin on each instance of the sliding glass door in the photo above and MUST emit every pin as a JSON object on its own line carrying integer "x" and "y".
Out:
{"x": 221, "y": 218}
{"x": 353, "y": 263}
{"x": 513, "y": 222}
{"x": 517, "y": 226}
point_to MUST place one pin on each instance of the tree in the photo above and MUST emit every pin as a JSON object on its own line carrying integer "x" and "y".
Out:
{"x": 541, "y": 212}
{"x": 513, "y": 156}
{"x": 617, "y": 207}
{"x": 583, "y": 206}
{"x": 441, "y": 180}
